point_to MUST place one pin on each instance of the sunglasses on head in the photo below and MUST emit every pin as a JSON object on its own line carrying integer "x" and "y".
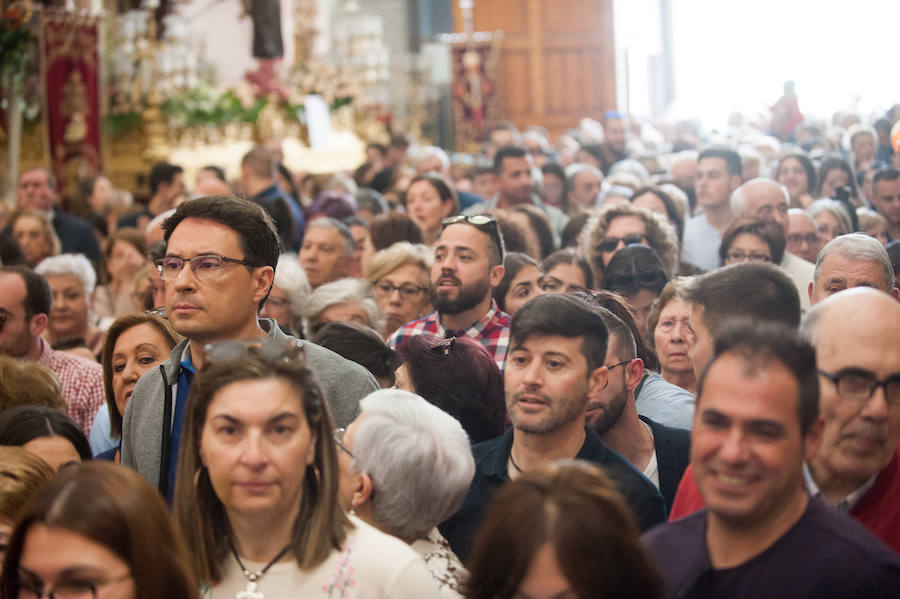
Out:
{"x": 272, "y": 351}
{"x": 482, "y": 222}
{"x": 609, "y": 244}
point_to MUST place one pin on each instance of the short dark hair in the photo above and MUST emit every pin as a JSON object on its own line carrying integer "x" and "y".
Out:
{"x": 885, "y": 173}
{"x": 634, "y": 268}
{"x": 507, "y": 152}
{"x": 477, "y": 399}
{"x": 387, "y": 229}
{"x": 732, "y": 159}
{"x": 565, "y": 315}
{"x": 38, "y": 297}
{"x": 23, "y": 424}
{"x": 162, "y": 172}
{"x": 540, "y": 224}
{"x": 759, "y": 291}
{"x": 573, "y": 228}
{"x": 761, "y": 343}
{"x": 361, "y": 344}
{"x": 445, "y": 192}
{"x": 770, "y": 232}
{"x": 218, "y": 171}
{"x": 618, "y": 306}
{"x": 259, "y": 238}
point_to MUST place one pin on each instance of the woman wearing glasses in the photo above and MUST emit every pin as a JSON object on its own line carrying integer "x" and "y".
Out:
{"x": 623, "y": 224}
{"x": 401, "y": 278}
{"x": 119, "y": 544}
{"x": 256, "y": 493}
{"x": 749, "y": 239}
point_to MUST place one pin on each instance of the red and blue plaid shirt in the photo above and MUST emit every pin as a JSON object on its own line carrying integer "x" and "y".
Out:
{"x": 492, "y": 331}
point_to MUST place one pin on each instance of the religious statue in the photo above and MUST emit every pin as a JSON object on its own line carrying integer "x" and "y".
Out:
{"x": 268, "y": 47}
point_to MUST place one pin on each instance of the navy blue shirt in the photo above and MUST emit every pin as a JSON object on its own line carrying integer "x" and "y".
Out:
{"x": 491, "y": 459}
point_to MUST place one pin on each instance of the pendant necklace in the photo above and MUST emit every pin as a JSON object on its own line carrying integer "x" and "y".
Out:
{"x": 252, "y": 592}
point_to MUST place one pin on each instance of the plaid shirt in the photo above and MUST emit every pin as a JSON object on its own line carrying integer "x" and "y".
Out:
{"x": 492, "y": 331}
{"x": 81, "y": 383}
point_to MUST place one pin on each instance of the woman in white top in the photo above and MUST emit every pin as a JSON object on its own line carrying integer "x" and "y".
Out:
{"x": 256, "y": 492}
{"x": 406, "y": 467}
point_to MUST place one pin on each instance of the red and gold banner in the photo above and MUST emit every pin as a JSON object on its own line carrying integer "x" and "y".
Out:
{"x": 476, "y": 98}
{"x": 70, "y": 69}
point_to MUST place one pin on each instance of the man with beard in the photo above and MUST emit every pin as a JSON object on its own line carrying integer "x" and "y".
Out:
{"x": 468, "y": 264}
{"x": 660, "y": 452}
{"x": 556, "y": 363}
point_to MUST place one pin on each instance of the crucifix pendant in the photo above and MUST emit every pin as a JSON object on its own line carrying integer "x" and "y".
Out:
{"x": 250, "y": 592}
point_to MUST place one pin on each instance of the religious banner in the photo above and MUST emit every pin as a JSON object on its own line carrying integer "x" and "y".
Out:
{"x": 70, "y": 66}
{"x": 476, "y": 97}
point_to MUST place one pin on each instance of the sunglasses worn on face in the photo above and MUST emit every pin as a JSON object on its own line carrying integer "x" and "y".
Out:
{"x": 609, "y": 244}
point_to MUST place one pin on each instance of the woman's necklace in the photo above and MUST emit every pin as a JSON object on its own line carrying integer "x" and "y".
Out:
{"x": 251, "y": 591}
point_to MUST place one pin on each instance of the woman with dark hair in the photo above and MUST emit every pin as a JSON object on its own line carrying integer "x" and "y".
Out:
{"x": 796, "y": 172}
{"x": 257, "y": 485}
{"x": 566, "y": 271}
{"x": 388, "y": 229}
{"x": 134, "y": 344}
{"x": 361, "y": 344}
{"x": 560, "y": 531}
{"x": 429, "y": 200}
{"x": 836, "y": 173}
{"x": 637, "y": 273}
{"x": 432, "y": 368}
{"x": 751, "y": 239}
{"x": 97, "y": 530}
{"x": 45, "y": 432}
{"x": 656, "y": 200}
{"x": 124, "y": 256}
{"x": 519, "y": 284}
{"x": 553, "y": 187}
{"x": 535, "y": 224}
{"x": 571, "y": 236}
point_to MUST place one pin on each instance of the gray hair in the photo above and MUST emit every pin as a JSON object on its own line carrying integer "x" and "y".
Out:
{"x": 342, "y": 291}
{"x": 738, "y": 199}
{"x": 291, "y": 277}
{"x": 69, "y": 264}
{"x": 418, "y": 458}
{"x": 633, "y": 167}
{"x": 858, "y": 247}
{"x": 574, "y": 169}
{"x": 326, "y": 222}
{"x": 423, "y": 153}
{"x": 834, "y": 208}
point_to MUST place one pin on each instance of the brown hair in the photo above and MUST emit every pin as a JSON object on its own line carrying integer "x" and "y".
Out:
{"x": 574, "y": 507}
{"x": 129, "y": 235}
{"x": 618, "y": 305}
{"x": 54, "y": 247}
{"x": 28, "y": 383}
{"x": 660, "y": 235}
{"x": 123, "y": 513}
{"x": 21, "y": 474}
{"x": 320, "y": 526}
{"x": 119, "y": 326}
{"x": 770, "y": 232}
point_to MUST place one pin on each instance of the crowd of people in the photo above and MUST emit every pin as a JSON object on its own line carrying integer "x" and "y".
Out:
{"x": 635, "y": 362}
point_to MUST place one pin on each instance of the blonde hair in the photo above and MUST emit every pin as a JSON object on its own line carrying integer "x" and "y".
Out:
{"x": 400, "y": 254}
{"x": 21, "y": 474}
{"x": 28, "y": 383}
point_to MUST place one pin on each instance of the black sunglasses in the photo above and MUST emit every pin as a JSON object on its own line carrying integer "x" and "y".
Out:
{"x": 609, "y": 244}
{"x": 482, "y": 222}
{"x": 654, "y": 279}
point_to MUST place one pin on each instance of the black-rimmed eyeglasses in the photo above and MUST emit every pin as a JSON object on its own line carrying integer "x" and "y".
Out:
{"x": 857, "y": 384}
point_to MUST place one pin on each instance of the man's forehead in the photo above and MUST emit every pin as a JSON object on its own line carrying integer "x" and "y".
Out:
{"x": 852, "y": 272}
{"x": 34, "y": 176}
{"x": 712, "y": 163}
{"x": 514, "y": 163}
{"x": 463, "y": 235}
{"x": 203, "y": 235}
{"x": 855, "y": 324}
{"x": 13, "y": 287}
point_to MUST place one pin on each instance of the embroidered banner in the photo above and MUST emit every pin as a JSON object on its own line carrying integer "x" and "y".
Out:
{"x": 70, "y": 66}
{"x": 476, "y": 98}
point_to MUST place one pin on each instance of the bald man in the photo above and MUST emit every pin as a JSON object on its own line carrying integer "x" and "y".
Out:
{"x": 767, "y": 200}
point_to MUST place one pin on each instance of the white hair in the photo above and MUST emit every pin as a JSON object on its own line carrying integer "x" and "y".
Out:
{"x": 69, "y": 264}
{"x": 291, "y": 277}
{"x": 738, "y": 199}
{"x": 418, "y": 458}
{"x": 836, "y": 209}
{"x": 342, "y": 291}
{"x": 422, "y": 153}
{"x": 574, "y": 169}
{"x": 857, "y": 247}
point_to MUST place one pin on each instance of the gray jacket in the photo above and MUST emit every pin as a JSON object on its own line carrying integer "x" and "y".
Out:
{"x": 344, "y": 383}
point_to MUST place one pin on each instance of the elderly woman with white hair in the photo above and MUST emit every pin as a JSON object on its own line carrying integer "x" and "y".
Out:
{"x": 832, "y": 219}
{"x": 70, "y": 325}
{"x": 405, "y": 467}
{"x": 341, "y": 300}
{"x": 288, "y": 295}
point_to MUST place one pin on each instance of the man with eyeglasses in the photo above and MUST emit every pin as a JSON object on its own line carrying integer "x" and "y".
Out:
{"x": 218, "y": 270}
{"x": 767, "y": 200}
{"x": 659, "y": 452}
{"x": 857, "y": 466}
{"x": 803, "y": 236}
{"x": 762, "y": 533}
{"x": 468, "y": 264}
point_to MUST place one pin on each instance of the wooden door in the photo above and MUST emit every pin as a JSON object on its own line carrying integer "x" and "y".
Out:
{"x": 557, "y": 62}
